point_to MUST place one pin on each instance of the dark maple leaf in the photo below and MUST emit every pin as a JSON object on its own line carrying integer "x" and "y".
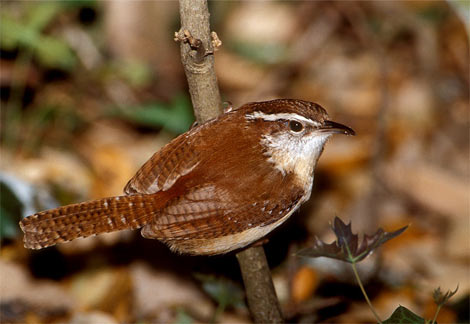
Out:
{"x": 346, "y": 247}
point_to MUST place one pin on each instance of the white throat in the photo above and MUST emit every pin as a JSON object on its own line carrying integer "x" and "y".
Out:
{"x": 297, "y": 154}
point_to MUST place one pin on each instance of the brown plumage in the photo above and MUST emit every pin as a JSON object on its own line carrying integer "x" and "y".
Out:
{"x": 218, "y": 187}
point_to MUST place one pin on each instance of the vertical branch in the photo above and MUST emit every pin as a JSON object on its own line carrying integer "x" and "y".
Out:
{"x": 198, "y": 59}
{"x": 259, "y": 288}
{"x": 198, "y": 62}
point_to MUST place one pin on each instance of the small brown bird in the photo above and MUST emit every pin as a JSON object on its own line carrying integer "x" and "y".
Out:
{"x": 216, "y": 188}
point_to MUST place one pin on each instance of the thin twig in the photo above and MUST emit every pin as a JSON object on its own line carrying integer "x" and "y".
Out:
{"x": 359, "y": 282}
{"x": 435, "y": 315}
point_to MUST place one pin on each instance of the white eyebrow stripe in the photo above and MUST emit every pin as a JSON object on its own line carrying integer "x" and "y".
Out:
{"x": 274, "y": 117}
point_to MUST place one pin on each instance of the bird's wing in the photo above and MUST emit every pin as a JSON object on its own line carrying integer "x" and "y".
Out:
{"x": 210, "y": 211}
{"x": 204, "y": 211}
{"x": 161, "y": 171}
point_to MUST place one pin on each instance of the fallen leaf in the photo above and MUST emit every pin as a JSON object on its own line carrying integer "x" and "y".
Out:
{"x": 304, "y": 283}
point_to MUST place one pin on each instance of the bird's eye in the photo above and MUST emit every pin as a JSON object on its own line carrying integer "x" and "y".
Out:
{"x": 295, "y": 126}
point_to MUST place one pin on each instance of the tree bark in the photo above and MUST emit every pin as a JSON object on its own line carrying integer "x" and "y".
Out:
{"x": 198, "y": 62}
{"x": 200, "y": 71}
{"x": 259, "y": 288}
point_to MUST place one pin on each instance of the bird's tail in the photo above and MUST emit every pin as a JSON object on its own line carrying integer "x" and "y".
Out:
{"x": 105, "y": 215}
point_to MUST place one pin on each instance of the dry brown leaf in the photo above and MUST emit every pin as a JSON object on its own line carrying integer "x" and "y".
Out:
{"x": 157, "y": 291}
{"x": 431, "y": 186}
{"x": 52, "y": 166}
{"x": 247, "y": 22}
{"x": 113, "y": 168}
{"x": 424, "y": 263}
{"x": 413, "y": 103}
{"x": 103, "y": 289}
{"x": 304, "y": 283}
{"x": 232, "y": 71}
{"x": 16, "y": 285}
{"x": 343, "y": 154}
{"x": 92, "y": 317}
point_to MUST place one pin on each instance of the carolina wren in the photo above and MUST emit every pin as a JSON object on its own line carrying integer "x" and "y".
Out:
{"x": 216, "y": 188}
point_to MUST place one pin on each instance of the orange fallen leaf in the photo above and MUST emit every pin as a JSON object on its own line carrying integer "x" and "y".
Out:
{"x": 304, "y": 283}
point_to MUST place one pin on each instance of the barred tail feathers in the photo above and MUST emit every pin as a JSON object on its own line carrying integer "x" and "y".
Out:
{"x": 105, "y": 215}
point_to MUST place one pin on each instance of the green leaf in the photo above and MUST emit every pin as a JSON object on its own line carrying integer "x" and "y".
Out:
{"x": 136, "y": 72}
{"x": 53, "y": 52}
{"x": 176, "y": 117}
{"x": 346, "y": 247}
{"x": 11, "y": 210}
{"x": 182, "y": 317}
{"x": 403, "y": 315}
{"x": 462, "y": 8}
{"x": 14, "y": 34}
{"x": 267, "y": 53}
{"x": 223, "y": 291}
{"x": 8, "y": 227}
{"x": 433, "y": 13}
{"x": 80, "y": 3}
{"x": 50, "y": 51}
{"x": 42, "y": 13}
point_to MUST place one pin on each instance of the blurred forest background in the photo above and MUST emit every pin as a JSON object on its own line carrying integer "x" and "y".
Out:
{"x": 91, "y": 89}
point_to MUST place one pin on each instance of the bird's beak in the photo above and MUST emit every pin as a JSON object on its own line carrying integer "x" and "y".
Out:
{"x": 336, "y": 128}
